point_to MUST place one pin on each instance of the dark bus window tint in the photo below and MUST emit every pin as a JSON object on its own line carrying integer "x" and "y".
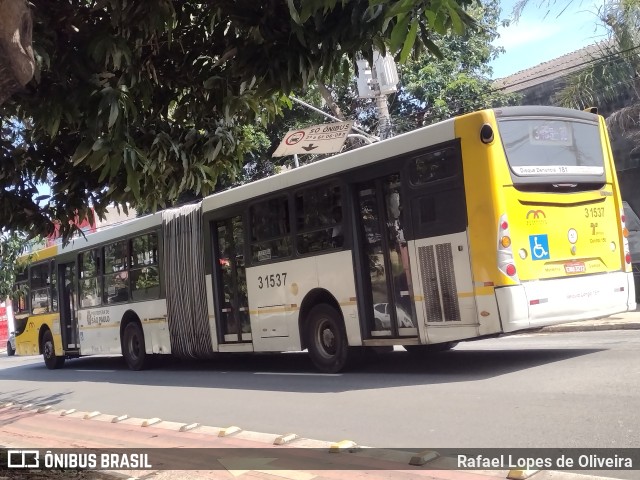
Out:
{"x": 270, "y": 230}
{"x": 22, "y": 274}
{"x": 39, "y": 289}
{"x": 54, "y": 291}
{"x": 319, "y": 219}
{"x": 116, "y": 276}
{"x": 432, "y": 166}
{"x": 144, "y": 273}
{"x": 144, "y": 250}
{"x": 115, "y": 257}
{"x": 90, "y": 284}
{"x": 19, "y": 300}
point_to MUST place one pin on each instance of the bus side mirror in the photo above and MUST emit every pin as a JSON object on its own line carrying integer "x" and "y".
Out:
{"x": 593, "y": 110}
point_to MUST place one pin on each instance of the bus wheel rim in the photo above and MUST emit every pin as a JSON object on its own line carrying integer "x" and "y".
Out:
{"x": 134, "y": 347}
{"x": 327, "y": 339}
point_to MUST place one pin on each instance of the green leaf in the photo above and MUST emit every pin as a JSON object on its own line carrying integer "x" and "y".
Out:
{"x": 399, "y": 32}
{"x": 433, "y": 48}
{"x": 404, "y": 6}
{"x": 293, "y": 12}
{"x": 98, "y": 144}
{"x": 409, "y": 42}
{"x": 133, "y": 182}
{"x": 458, "y": 26}
{"x": 82, "y": 151}
{"x": 113, "y": 115}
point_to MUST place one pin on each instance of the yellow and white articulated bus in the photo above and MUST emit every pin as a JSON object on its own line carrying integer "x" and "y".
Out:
{"x": 493, "y": 222}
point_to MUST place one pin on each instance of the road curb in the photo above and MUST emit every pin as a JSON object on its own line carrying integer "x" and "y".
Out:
{"x": 401, "y": 459}
{"x": 591, "y": 327}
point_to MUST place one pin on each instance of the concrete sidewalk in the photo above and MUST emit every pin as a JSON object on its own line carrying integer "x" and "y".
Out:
{"x": 619, "y": 321}
{"x": 231, "y": 452}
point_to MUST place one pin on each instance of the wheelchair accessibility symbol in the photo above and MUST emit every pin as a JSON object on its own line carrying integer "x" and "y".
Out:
{"x": 539, "y": 247}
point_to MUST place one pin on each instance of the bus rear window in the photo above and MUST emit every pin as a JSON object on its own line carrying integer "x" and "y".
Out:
{"x": 543, "y": 147}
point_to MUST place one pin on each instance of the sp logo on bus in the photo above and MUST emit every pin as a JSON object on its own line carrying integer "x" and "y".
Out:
{"x": 536, "y": 214}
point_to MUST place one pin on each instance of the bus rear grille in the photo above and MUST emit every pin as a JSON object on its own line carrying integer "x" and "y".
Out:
{"x": 439, "y": 283}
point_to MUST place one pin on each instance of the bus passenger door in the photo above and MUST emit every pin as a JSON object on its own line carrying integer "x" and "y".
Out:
{"x": 389, "y": 306}
{"x": 67, "y": 301}
{"x": 440, "y": 246}
{"x": 232, "y": 305}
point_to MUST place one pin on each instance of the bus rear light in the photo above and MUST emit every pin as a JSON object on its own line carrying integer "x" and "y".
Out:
{"x": 523, "y": 253}
{"x": 538, "y": 301}
{"x": 626, "y": 251}
{"x": 505, "y": 254}
{"x": 613, "y": 246}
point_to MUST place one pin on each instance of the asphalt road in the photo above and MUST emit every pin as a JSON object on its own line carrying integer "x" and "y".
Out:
{"x": 539, "y": 390}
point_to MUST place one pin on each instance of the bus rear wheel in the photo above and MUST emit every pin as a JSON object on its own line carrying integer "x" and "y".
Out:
{"x": 10, "y": 351}
{"x": 133, "y": 347}
{"x": 49, "y": 353}
{"x": 327, "y": 339}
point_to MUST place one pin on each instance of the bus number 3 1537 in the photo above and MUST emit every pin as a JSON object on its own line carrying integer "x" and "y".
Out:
{"x": 273, "y": 280}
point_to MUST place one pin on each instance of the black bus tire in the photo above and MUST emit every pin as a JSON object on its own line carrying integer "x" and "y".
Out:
{"x": 49, "y": 353}
{"x": 327, "y": 339}
{"x": 133, "y": 347}
{"x": 10, "y": 351}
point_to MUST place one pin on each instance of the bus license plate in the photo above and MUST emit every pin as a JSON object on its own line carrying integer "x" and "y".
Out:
{"x": 575, "y": 267}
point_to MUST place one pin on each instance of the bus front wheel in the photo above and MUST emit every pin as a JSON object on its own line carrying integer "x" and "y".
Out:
{"x": 10, "y": 351}
{"x": 327, "y": 339}
{"x": 133, "y": 347}
{"x": 49, "y": 353}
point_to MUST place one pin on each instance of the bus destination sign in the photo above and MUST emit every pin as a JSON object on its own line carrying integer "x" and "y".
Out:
{"x": 325, "y": 138}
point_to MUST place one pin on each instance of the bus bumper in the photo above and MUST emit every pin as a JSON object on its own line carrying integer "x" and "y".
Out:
{"x": 550, "y": 302}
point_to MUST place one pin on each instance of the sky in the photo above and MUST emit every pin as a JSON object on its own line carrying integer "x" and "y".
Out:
{"x": 546, "y": 32}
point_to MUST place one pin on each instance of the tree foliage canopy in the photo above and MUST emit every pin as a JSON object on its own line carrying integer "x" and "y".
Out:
{"x": 613, "y": 71}
{"x": 136, "y": 102}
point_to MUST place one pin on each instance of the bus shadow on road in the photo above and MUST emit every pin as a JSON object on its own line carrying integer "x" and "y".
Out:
{"x": 266, "y": 371}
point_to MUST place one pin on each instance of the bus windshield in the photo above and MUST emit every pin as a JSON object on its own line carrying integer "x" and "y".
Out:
{"x": 551, "y": 149}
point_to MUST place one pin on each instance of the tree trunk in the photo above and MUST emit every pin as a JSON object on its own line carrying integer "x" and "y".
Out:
{"x": 328, "y": 99}
{"x": 16, "y": 54}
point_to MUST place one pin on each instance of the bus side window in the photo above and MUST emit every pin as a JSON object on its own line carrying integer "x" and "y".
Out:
{"x": 116, "y": 274}
{"x": 39, "y": 288}
{"x": 270, "y": 231}
{"x": 90, "y": 279}
{"x": 53, "y": 282}
{"x": 319, "y": 219}
{"x": 145, "y": 278}
{"x": 432, "y": 166}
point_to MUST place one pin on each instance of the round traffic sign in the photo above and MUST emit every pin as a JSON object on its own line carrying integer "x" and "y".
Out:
{"x": 294, "y": 138}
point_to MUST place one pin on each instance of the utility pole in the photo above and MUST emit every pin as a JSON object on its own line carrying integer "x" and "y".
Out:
{"x": 377, "y": 81}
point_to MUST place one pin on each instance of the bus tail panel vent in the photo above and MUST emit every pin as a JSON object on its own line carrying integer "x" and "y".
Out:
{"x": 439, "y": 283}
{"x": 448, "y": 282}
{"x": 430, "y": 284}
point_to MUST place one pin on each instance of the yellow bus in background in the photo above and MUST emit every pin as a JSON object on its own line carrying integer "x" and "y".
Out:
{"x": 493, "y": 222}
